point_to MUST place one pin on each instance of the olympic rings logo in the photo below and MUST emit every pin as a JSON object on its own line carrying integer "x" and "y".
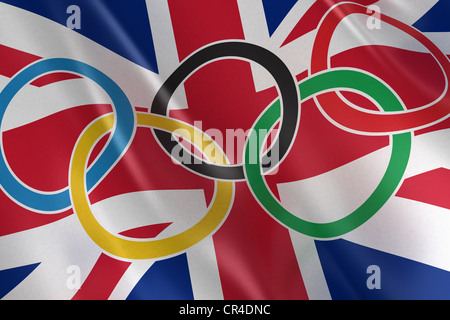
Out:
{"x": 393, "y": 119}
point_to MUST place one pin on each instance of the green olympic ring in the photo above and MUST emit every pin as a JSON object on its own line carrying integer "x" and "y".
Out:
{"x": 401, "y": 148}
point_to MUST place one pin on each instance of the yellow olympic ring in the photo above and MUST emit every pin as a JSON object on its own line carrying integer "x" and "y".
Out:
{"x": 145, "y": 249}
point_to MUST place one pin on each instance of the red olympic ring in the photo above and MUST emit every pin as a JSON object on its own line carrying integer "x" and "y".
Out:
{"x": 369, "y": 121}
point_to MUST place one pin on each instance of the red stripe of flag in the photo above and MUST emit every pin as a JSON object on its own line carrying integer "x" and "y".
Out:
{"x": 255, "y": 256}
{"x": 102, "y": 279}
{"x": 14, "y": 60}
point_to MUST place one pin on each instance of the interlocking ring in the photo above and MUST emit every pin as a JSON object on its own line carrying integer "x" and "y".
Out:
{"x": 233, "y": 49}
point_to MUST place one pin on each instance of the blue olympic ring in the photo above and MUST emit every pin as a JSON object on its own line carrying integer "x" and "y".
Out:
{"x": 123, "y": 133}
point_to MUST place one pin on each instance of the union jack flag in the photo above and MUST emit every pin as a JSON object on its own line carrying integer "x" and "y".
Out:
{"x": 65, "y": 64}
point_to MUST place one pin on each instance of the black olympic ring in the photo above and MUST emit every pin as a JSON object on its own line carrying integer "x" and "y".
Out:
{"x": 289, "y": 102}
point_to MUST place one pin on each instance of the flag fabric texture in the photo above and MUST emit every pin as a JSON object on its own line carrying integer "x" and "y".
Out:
{"x": 230, "y": 149}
